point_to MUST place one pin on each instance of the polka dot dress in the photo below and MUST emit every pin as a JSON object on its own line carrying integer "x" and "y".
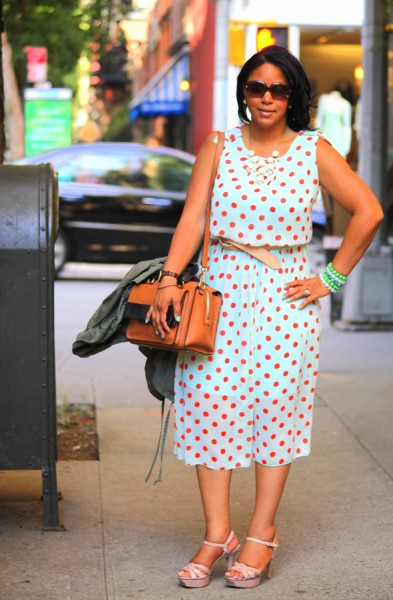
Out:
{"x": 254, "y": 398}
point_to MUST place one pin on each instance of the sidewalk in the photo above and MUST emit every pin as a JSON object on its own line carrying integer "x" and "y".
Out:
{"x": 126, "y": 539}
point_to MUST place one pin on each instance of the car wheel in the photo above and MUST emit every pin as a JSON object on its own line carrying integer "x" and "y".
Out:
{"x": 61, "y": 251}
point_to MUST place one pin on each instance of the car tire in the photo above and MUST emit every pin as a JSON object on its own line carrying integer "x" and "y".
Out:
{"x": 61, "y": 251}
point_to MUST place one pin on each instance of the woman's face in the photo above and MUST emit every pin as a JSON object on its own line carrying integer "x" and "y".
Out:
{"x": 268, "y": 110}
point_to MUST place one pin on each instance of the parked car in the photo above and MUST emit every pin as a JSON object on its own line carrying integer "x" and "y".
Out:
{"x": 119, "y": 202}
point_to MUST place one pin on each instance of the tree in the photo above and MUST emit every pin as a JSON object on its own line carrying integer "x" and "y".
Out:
{"x": 12, "y": 108}
{"x": 66, "y": 29}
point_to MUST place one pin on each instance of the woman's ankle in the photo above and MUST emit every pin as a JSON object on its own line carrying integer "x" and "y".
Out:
{"x": 260, "y": 531}
{"x": 218, "y": 535}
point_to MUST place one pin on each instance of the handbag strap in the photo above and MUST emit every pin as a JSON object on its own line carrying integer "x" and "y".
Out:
{"x": 219, "y": 147}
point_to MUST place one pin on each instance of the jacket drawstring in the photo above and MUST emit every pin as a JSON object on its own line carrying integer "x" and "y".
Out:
{"x": 161, "y": 443}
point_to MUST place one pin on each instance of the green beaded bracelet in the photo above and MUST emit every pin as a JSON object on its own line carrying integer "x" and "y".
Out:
{"x": 336, "y": 273}
{"x": 330, "y": 281}
{"x": 334, "y": 281}
{"x": 334, "y": 278}
{"x": 327, "y": 284}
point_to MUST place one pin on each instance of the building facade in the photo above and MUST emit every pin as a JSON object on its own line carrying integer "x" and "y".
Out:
{"x": 186, "y": 84}
{"x": 173, "y": 89}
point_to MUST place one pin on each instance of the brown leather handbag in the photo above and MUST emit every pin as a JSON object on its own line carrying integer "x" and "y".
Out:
{"x": 200, "y": 303}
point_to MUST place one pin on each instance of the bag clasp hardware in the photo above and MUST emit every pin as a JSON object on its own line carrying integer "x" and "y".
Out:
{"x": 202, "y": 282}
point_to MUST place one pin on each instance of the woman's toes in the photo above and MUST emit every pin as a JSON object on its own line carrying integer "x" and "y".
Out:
{"x": 231, "y": 574}
{"x": 183, "y": 573}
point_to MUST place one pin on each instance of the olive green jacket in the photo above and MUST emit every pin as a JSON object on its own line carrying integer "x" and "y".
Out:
{"x": 107, "y": 327}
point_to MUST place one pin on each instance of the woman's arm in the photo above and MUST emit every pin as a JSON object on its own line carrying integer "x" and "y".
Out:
{"x": 190, "y": 229}
{"x": 187, "y": 237}
{"x": 356, "y": 198}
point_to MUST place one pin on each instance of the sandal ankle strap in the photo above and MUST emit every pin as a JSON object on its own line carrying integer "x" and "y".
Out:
{"x": 224, "y": 546}
{"x": 274, "y": 544}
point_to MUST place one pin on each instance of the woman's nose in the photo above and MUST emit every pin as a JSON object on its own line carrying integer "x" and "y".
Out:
{"x": 267, "y": 98}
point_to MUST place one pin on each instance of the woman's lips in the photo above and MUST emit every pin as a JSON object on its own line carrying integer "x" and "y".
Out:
{"x": 265, "y": 112}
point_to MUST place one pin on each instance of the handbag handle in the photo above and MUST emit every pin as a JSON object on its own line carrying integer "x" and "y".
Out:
{"x": 217, "y": 155}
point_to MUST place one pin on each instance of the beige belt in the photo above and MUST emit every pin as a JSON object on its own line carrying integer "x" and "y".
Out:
{"x": 258, "y": 252}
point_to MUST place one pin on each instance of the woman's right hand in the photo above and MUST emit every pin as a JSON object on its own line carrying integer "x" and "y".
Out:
{"x": 167, "y": 295}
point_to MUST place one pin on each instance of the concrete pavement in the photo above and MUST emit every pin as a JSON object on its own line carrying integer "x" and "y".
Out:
{"x": 126, "y": 539}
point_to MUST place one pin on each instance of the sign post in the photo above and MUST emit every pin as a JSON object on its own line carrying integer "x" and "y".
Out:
{"x": 48, "y": 119}
{"x": 37, "y": 61}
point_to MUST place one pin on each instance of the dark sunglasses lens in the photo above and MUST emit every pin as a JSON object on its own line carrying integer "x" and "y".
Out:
{"x": 256, "y": 88}
{"x": 279, "y": 90}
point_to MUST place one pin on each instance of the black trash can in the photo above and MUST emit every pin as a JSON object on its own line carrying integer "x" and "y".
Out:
{"x": 28, "y": 228}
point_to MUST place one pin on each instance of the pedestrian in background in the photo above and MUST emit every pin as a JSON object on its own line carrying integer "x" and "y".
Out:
{"x": 252, "y": 400}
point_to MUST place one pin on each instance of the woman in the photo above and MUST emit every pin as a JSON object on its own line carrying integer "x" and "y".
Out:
{"x": 253, "y": 399}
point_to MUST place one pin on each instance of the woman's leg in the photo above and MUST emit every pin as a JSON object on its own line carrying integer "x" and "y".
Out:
{"x": 270, "y": 483}
{"x": 214, "y": 487}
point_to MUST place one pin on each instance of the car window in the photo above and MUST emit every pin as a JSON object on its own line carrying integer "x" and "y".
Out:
{"x": 144, "y": 169}
{"x": 166, "y": 172}
{"x": 93, "y": 168}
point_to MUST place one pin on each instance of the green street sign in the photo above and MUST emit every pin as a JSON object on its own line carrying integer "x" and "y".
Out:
{"x": 48, "y": 119}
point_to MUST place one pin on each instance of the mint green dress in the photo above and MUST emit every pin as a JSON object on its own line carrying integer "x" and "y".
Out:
{"x": 253, "y": 399}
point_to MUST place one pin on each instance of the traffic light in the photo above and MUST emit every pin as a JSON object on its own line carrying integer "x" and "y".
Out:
{"x": 114, "y": 64}
{"x": 271, "y": 36}
{"x": 237, "y": 45}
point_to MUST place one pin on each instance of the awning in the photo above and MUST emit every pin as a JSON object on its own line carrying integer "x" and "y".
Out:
{"x": 162, "y": 95}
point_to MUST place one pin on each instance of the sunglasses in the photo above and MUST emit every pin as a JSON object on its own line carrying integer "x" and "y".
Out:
{"x": 257, "y": 89}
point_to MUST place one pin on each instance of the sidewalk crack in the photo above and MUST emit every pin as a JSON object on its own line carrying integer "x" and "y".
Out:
{"x": 357, "y": 438}
{"x": 103, "y": 539}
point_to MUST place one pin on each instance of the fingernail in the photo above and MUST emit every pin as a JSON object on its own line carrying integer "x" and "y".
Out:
{"x": 178, "y": 318}
{"x": 163, "y": 337}
{"x": 299, "y": 307}
{"x": 157, "y": 332}
{"x": 146, "y": 320}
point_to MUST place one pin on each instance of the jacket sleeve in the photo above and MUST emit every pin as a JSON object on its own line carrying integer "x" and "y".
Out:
{"x": 106, "y": 326}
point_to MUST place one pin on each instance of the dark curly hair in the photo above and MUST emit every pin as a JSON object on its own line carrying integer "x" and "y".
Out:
{"x": 298, "y": 113}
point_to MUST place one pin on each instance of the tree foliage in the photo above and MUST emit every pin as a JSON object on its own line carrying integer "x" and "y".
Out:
{"x": 65, "y": 27}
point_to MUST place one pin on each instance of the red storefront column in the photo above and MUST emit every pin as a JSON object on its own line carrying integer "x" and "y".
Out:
{"x": 202, "y": 71}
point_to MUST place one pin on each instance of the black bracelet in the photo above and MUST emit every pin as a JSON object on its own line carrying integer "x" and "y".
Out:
{"x": 168, "y": 274}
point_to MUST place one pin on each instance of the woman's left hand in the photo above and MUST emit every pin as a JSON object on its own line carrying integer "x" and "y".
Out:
{"x": 310, "y": 289}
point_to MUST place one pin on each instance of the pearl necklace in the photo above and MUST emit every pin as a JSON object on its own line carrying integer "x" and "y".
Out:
{"x": 262, "y": 167}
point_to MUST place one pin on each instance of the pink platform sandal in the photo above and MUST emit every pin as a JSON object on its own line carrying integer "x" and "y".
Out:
{"x": 199, "y": 575}
{"x": 251, "y": 576}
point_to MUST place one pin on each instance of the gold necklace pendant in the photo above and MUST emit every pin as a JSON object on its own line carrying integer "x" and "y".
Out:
{"x": 263, "y": 167}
